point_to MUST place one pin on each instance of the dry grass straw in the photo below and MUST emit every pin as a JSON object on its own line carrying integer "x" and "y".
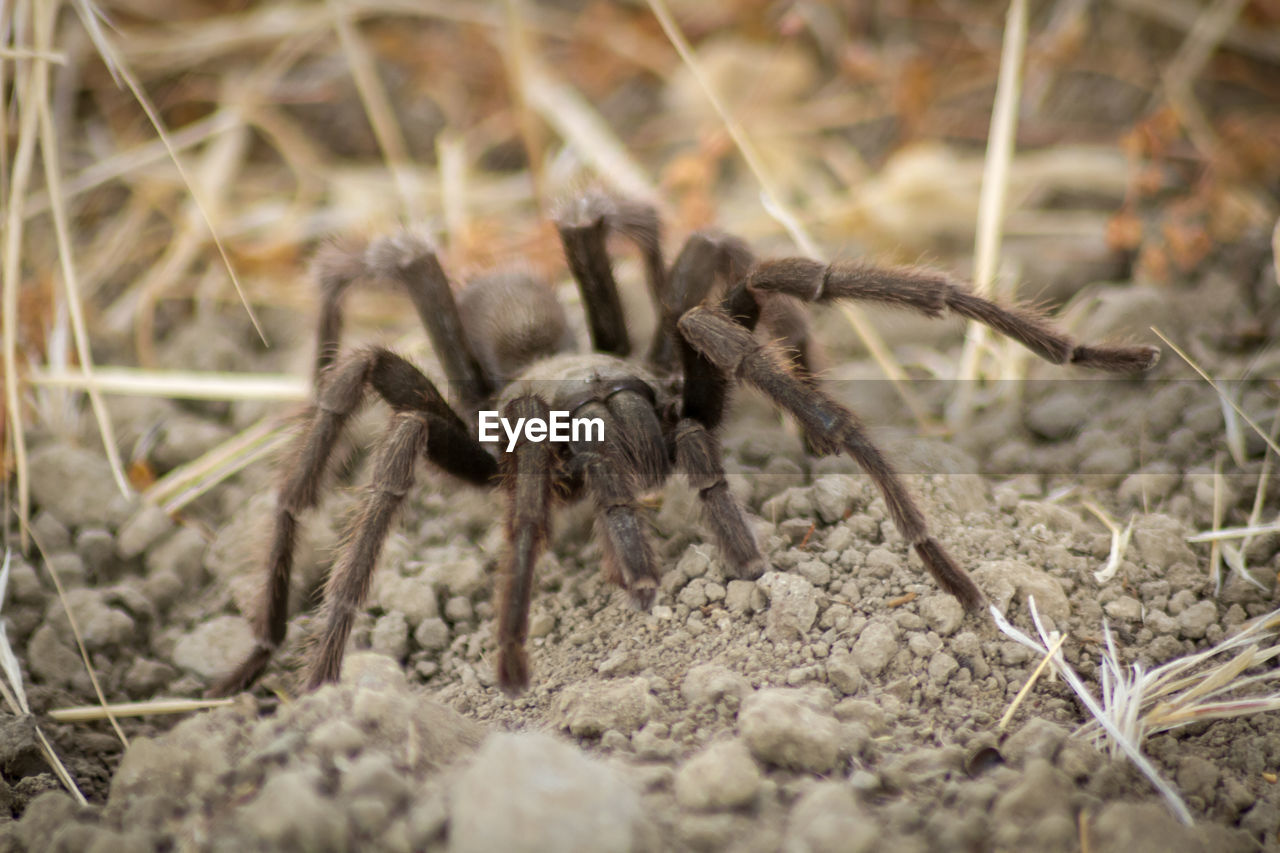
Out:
{"x": 1207, "y": 31}
{"x": 178, "y": 384}
{"x": 1026, "y": 688}
{"x": 1222, "y": 393}
{"x": 75, "y": 631}
{"x": 16, "y": 696}
{"x": 991, "y": 207}
{"x": 583, "y": 128}
{"x": 111, "y": 56}
{"x": 1134, "y": 703}
{"x": 1221, "y": 549}
{"x": 153, "y": 708}
{"x": 774, "y": 203}
{"x": 187, "y": 482}
{"x": 1119, "y": 541}
{"x": 377, "y": 108}
{"x": 1187, "y": 14}
{"x": 1121, "y": 741}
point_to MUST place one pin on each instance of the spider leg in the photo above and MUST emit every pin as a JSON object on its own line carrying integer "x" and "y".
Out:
{"x": 705, "y": 257}
{"x": 527, "y": 474}
{"x": 411, "y": 262}
{"x": 698, "y": 456}
{"x": 829, "y": 427}
{"x": 446, "y": 442}
{"x": 933, "y": 294}
{"x": 612, "y": 480}
{"x": 339, "y": 398}
{"x": 348, "y": 584}
{"x": 584, "y": 227}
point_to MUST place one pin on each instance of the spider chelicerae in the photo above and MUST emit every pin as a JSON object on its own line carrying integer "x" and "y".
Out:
{"x": 504, "y": 345}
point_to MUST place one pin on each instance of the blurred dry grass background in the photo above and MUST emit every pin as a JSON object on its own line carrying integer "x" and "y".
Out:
{"x": 1146, "y": 148}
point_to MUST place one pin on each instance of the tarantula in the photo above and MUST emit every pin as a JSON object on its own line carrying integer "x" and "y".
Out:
{"x": 503, "y": 344}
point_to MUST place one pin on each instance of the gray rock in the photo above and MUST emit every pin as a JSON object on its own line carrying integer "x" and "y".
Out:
{"x": 414, "y": 597}
{"x": 1056, "y": 416}
{"x": 142, "y": 530}
{"x": 69, "y": 567}
{"x": 55, "y": 662}
{"x": 590, "y": 709}
{"x": 781, "y": 726}
{"x": 291, "y": 813}
{"x": 214, "y": 647}
{"x": 693, "y": 595}
{"x": 97, "y": 548}
{"x": 183, "y": 554}
{"x": 875, "y": 646}
{"x": 1003, "y": 579}
{"x": 75, "y": 486}
{"x": 1196, "y": 619}
{"x": 1159, "y": 622}
{"x": 941, "y": 667}
{"x": 1154, "y": 482}
{"x": 722, "y": 776}
{"x": 793, "y": 605}
{"x": 694, "y": 563}
{"x": 942, "y": 613}
{"x": 1141, "y": 828}
{"x": 1161, "y": 541}
{"x": 743, "y": 597}
{"x": 1043, "y": 789}
{"x": 709, "y": 683}
{"x": 432, "y": 634}
{"x": 44, "y": 816}
{"x": 390, "y": 635}
{"x": 530, "y": 792}
{"x": 1198, "y": 777}
{"x": 53, "y": 534}
{"x": 455, "y": 574}
{"x": 844, "y": 674}
{"x": 1039, "y": 738}
{"x": 922, "y": 765}
{"x": 832, "y": 496}
{"x": 652, "y": 744}
{"x": 815, "y": 572}
{"x": 865, "y": 713}
{"x": 374, "y": 774}
{"x": 458, "y": 610}
{"x": 145, "y": 677}
{"x": 829, "y": 819}
{"x": 101, "y": 626}
{"x": 186, "y": 437}
{"x": 24, "y": 584}
{"x": 1126, "y": 608}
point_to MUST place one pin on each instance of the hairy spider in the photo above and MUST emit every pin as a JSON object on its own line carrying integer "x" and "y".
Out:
{"x": 503, "y": 344}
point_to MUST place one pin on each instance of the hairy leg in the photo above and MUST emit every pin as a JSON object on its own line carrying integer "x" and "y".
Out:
{"x": 527, "y": 474}
{"x": 411, "y": 262}
{"x": 933, "y": 294}
{"x": 698, "y": 457}
{"x": 829, "y": 428}
{"x": 349, "y": 580}
{"x": 446, "y": 442}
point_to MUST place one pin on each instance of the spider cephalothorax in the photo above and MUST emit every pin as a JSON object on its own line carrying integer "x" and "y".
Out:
{"x": 504, "y": 346}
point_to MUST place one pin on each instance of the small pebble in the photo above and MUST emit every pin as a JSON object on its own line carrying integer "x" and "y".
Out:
{"x": 722, "y": 776}
{"x": 875, "y": 646}
{"x": 781, "y": 727}
{"x": 590, "y": 709}
{"x": 529, "y": 792}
